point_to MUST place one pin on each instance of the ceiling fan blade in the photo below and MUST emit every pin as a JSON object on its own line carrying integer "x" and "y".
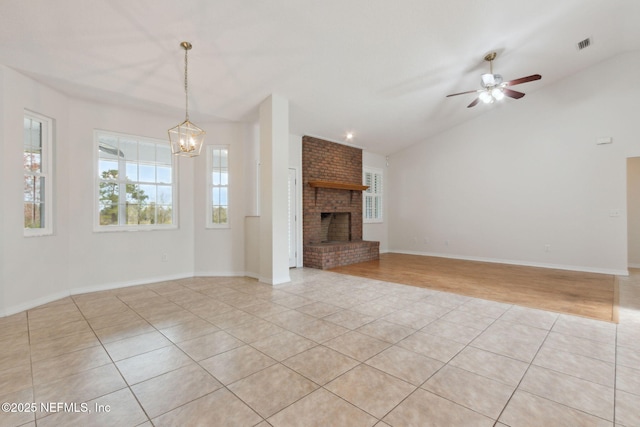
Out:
{"x": 474, "y": 103}
{"x": 523, "y": 80}
{"x": 512, "y": 93}
{"x": 463, "y": 93}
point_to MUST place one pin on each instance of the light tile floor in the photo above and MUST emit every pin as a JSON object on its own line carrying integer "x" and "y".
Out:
{"x": 325, "y": 350}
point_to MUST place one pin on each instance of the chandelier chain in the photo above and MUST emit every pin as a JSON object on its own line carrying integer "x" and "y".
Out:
{"x": 186, "y": 87}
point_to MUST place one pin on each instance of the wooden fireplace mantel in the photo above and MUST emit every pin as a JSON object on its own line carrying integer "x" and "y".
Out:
{"x": 337, "y": 186}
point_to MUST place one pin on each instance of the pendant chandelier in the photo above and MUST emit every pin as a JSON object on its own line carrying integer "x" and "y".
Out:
{"x": 186, "y": 139}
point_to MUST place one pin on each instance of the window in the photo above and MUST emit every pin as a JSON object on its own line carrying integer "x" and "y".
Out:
{"x": 218, "y": 186}
{"x": 136, "y": 183}
{"x": 372, "y": 196}
{"x": 37, "y": 160}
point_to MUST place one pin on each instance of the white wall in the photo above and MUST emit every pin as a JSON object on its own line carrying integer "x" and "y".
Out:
{"x": 32, "y": 267}
{"x": 107, "y": 259}
{"x": 526, "y": 174}
{"x": 633, "y": 211}
{"x": 378, "y": 231}
{"x": 75, "y": 258}
{"x": 220, "y": 251}
{"x": 3, "y": 179}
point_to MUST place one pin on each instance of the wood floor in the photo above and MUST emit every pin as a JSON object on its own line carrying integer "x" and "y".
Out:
{"x": 584, "y": 294}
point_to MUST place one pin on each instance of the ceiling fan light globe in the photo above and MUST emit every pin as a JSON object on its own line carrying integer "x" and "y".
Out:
{"x": 497, "y": 93}
{"x": 486, "y": 97}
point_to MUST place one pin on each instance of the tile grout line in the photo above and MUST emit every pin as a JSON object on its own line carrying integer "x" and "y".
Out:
{"x": 280, "y": 362}
{"x": 128, "y": 386}
{"x": 517, "y": 387}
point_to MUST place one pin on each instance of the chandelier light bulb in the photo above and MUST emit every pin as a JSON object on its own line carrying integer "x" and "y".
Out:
{"x": 497, "y": 93}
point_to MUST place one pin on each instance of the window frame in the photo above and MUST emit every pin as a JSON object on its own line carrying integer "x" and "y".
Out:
{"x": 374, "y": 195}
{"x": 210, "y": 185}
{"x": 97, "y": 227}
{"x": 46, "y": 167}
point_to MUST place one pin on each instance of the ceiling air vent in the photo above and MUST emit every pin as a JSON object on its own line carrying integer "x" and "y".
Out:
{"x": 583, "y": 44}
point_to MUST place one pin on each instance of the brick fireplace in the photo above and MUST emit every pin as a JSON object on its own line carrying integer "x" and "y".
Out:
{"x": 332, "y": 205}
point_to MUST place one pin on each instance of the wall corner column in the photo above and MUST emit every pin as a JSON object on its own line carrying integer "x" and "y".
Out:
{"x": 274, "y": 169}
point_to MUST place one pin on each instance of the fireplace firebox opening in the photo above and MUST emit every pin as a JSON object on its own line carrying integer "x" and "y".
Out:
{"x": 335, "y": 227}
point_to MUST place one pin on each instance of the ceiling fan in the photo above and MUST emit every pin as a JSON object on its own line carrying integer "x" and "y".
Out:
{"x": 493, "y": 88}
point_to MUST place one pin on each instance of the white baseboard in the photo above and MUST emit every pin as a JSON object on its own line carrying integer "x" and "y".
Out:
{"x": 277, "y": 281}
{"x": 220, "y": 274}
{"x": 522, "y": 263}
{"x": 8, "y": 311}
{"x": 34, "y": 303}
{"x": 28, "y": 305}
{"x": 634, "y": 265}
{"x": 125, "y": 284}
{"x": 252, "y": 275}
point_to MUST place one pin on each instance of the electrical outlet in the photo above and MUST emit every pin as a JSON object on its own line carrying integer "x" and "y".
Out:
{"x": 164, "y": 258}
{"x": 547, "y": 248}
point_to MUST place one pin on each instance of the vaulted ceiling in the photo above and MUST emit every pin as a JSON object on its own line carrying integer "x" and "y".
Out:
{"x": 378, "y": 68}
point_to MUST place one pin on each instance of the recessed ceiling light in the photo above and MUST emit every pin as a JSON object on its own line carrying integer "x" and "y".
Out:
{"x": 349, "y": 136}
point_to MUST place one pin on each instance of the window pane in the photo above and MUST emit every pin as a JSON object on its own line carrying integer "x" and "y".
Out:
{"x": 147, "y": 173}
{"x": 146, "y": 193}
{"x": 108, "y": 169}
{"x": 137, "y": 194}
{"x": 219, "y": 215}
{"x": 30, "y": 184}
{"x": 224, "y": 177}
{"x": 133, "y": 211}
{"x": 32, "y": 161}
{"x": 223, "y": 196}
{"x": 164, "y": 174}
{"x": 132, "y": 171}
{"x": 108, "y": 148}
{"x": 109, "y": 194}
{"x": 32, "y": 158}
{"x": 33, "y": 215}
{"x": 129, "y": 150}
{"x": 164, "y": 195}
{"x": 147, "y": 152}
{"x": 32, "y": 134}
{"x": 164, "y": 214}
{"x": 108, "y": 203}
{"x": 216, "y": 196}
{"x": 163, "y": 154}
{"x": 147, "y": 214}
{"x": 224, "y": 161}
{"x": 36, "y": 162}
{"x": 215, "y": 177}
